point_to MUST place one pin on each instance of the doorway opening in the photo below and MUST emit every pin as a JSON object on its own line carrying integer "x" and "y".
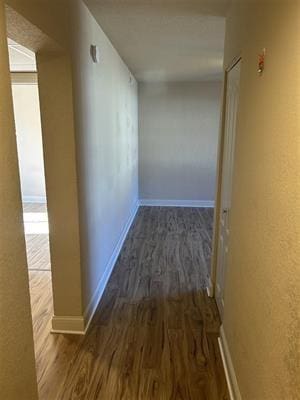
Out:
{"x": 25, "y": 91}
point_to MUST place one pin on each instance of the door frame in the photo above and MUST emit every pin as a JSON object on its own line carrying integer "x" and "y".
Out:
{"x": 211, "y": 289}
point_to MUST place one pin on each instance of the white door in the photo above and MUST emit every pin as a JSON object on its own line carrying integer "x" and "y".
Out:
{"x": 231, "y": 107}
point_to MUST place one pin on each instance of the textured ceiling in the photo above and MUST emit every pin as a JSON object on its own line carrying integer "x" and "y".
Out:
{"x": 170, "y": 40}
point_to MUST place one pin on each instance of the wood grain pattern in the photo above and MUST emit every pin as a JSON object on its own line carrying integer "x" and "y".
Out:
{"x": 38, "y": 252}
{"x": 37, "y": 246}
{"x": 154, "y": 334}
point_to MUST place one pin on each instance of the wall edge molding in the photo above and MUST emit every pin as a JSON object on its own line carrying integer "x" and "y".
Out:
{"x": 80, "y": 325}
{"x": 233, "y": 387}
{"x": 177, "y": 203}
{"x": 68, "y": 325}
{"x": 91, "y": 308}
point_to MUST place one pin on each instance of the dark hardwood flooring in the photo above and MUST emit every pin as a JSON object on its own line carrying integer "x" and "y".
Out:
{"x": 154, "y": 334}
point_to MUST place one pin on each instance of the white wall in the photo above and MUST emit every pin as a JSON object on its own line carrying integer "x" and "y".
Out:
{"x": 107, "y": 146}
{"x": 29, "y": 140}
{"x": 178, "y": 139}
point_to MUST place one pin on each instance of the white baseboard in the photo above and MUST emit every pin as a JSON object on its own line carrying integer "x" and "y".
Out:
{"x": 34, "y": 199}
{"x": 68, "y": 325}
{"x": 177, "y": 203}
{"x": 79, "y": 325}
{"x": 91, "y": 308}
{"x": 233, "y": 387}
{"x": 210, "y": 288}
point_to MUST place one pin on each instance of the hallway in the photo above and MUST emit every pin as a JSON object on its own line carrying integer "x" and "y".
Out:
{"x": 154, "y": 335}
{"x": 149, "y": 115}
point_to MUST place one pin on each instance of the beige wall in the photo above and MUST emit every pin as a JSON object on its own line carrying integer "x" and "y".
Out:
{"x": 178, "y": 140}
{"x": 40, "y": 26}
{"x": 56, "y": 101}
{"x": 104, "y": 166}
{"x": 262, "y": 295}
{"x": 48, "y": 17}
{"x": 105, "y": 99}
{"x": 17, "y": 368}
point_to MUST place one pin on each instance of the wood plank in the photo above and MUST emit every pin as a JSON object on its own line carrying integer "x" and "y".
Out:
{"x": 154, "y": 334}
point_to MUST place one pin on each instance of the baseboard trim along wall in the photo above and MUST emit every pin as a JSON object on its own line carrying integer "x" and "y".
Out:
{"x": 68, "y": 325}
{"x": 79, "y": 325}
{"x": 233, "y": 387}
{"x": 90, "y": 311}
{"x": 177, "y": 203}
{"x": 34, "y": 199}
{"x": 210, "y": 288}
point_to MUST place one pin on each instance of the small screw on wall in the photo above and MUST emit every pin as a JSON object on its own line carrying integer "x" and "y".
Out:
{"x": 261, "y": 62}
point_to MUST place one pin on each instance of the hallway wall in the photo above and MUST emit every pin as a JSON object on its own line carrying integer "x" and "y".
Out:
{"x": 17, "y": 366}
{"x": 178, "y": 140}
{"x": 262, "y": 294}
{"x": 104, "y": 97}
{"x": 105, "y": 101}
{"x": 42, "y": 27}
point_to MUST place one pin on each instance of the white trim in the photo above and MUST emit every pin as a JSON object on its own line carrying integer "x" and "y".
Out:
{"x": 68, "y": 325}
{"x": 80, "y": 325}
{"x": 210, "y": 288}
{"x": 34, "y": 199}
{"x": 91, "y": 308}
{"x": 233, "y": 387}
{"x": 177, "y": 203}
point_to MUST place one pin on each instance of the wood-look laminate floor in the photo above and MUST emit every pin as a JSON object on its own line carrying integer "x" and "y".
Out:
{"x": 34, "y": 207}
{"x": 37, "y": 245}
{"x": 154, "y": 334}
